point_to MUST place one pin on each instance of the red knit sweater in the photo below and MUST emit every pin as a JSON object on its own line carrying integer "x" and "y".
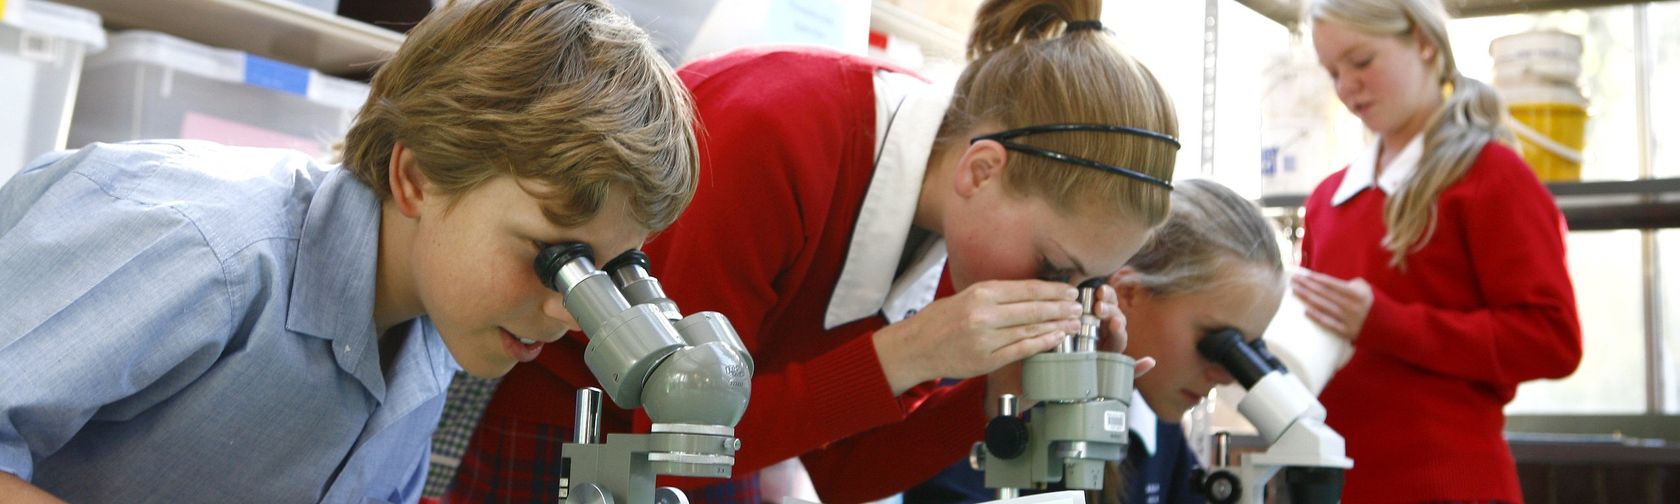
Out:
{"x": 1484, "y": 305}
{"x": 786, "y": 141}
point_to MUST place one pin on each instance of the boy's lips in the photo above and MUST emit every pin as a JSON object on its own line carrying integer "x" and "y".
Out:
{"x": 518, "y": 348}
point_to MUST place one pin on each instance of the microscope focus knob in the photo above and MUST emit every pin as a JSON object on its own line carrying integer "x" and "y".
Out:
{"x": 1222, "y": 487}
{"x": 1006, "y": 436}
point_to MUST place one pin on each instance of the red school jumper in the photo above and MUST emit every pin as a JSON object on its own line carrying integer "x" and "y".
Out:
{"x": 1484, "y": 305}
{"x": 786, "y": 142}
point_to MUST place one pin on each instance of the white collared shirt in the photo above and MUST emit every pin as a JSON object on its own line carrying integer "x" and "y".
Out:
{"x": 1399, "y": 169}
{"x": 1140, "y": 419}
{"x": 907, "y": 116}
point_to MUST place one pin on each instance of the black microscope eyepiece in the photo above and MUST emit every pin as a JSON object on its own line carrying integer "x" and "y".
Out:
{"x": 1227, "y": 348}
{"x": 551, "y": 259}
{"x": 629, "y": 257}
{"x": 1092, "y": 283}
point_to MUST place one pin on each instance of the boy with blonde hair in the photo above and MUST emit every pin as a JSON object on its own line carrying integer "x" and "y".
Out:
{"x": 189, "y": 322}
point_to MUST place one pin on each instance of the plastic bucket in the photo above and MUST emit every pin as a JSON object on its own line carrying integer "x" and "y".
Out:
{"x": 1565, "y": 125}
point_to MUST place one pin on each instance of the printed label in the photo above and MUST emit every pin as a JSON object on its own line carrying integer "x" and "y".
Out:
{"x": 1114, "y": 421}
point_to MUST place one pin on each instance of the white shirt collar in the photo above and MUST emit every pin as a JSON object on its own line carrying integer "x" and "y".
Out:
{"x": 1359, "y": 173}
{"x": 1140, "y": 419}
{"x": 907, "y": 116}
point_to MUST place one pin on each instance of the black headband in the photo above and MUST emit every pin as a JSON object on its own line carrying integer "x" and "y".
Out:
{"x": 1003, "y": 137}
{"x": 1074, "y": 26}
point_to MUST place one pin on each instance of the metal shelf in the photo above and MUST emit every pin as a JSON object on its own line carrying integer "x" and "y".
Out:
{"x": 1590, "y": 206}
{"x": 1287, "y": 12}
{"x": 274, "y": 29}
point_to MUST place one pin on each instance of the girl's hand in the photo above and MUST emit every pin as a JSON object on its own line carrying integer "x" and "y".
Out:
{"x": 978, "y": 330}
{"x": 1340, "y": 306}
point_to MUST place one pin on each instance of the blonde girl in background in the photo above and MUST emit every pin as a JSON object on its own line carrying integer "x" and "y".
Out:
{"x": 1438, "y": 255}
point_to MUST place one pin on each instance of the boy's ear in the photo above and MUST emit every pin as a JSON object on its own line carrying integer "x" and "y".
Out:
{"x": 982, "y": 163}
{"x": 408, "y": 183}
{"x": 1128, "y": 286}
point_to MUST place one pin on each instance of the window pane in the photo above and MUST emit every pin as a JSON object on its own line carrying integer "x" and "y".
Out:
{"x": 1668, "y": 247}
{"x": 1664, "y": 21}
{"x": 1606, "y": 269}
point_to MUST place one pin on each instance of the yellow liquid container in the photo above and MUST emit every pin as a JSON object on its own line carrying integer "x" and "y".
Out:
{"x": 1564, "y": 124}
{"x": 1536, "y": 74}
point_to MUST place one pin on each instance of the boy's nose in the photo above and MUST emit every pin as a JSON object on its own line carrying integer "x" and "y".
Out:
{"x": 554, "y": 309}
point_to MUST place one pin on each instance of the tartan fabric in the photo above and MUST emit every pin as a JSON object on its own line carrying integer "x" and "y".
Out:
{"x": 466, "y": 401}
{"x": 518, "y": 461}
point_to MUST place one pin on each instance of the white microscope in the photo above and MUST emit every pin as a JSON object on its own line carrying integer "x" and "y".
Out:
{"x": 1289, "y": 419}
{"x": 692, "y": 374}
{"x": 1078, "y": 424}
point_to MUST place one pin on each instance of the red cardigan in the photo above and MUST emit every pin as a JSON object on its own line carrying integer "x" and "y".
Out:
{"x": 1484, "y": 305}
{"x": 786, "y": 139}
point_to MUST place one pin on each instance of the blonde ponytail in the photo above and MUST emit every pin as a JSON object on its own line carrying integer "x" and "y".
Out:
{"x": 1001, "y": 24}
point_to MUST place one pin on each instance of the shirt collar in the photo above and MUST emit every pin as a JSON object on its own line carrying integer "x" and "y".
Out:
{"x": 907, "y": 116}
{"x": 1142, "y": 421}
{"x": 1399, "y": 169}
{"x": 332, "y": 288}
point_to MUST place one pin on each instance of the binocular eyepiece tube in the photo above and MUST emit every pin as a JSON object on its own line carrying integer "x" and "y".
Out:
{"x": 638, "y": 339}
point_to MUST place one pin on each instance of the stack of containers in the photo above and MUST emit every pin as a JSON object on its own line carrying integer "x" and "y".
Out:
{"x": 151, "y": 85}
{"x": 41, "y": 50}
{"x": 1536, "y": 73}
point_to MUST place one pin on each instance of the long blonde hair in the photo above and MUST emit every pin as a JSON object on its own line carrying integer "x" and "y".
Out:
{"x": 1210, "y": 225}
{"x": 1471, "y": 116}
{"x": 1028, "y": 69}
{"x": 565, "y": 92}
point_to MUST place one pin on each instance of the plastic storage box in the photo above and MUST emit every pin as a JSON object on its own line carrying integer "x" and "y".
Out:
{"x": 327, "y": 6}
{"x": 41, "y": 50}
{"x": 151, "y": 85}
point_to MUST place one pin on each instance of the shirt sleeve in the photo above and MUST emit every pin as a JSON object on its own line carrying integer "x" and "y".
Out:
{"x": 942, "y": 429}
{"x": 1528, "y": 328}
{"x": 106, "y": 297}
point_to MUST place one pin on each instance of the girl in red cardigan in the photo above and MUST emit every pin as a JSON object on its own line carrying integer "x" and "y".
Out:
{"x": 840, "y": 196}
{"x": 1438, "y": 255}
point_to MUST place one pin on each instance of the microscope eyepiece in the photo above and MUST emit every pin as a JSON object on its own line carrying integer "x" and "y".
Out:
{"x": 1227, "y": 348}
{"x": 551, "y": 260}
{"x": 629, "y": 257}
{"x": 1092, "y": 283}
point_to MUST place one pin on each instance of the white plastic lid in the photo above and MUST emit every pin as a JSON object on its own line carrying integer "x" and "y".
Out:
{"x": 55, "y": 20}
{"x": 228, "y": 65}
{"x": 1515, "y": 95}
{"x": 1551, "y": 44}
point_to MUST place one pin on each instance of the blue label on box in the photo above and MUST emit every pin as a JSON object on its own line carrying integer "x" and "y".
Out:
{"x": 264, "y": 72}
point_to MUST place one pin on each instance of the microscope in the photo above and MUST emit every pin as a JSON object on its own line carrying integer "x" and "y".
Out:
{"x": 1078, "y": 423}
{"x": 1291, "y": 422}
{"x": 692, "y": 374}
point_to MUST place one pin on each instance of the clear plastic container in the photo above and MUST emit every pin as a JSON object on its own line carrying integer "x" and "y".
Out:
{"x": 41, "y": 49}
{"x": 327, "y": 6}
{"x": 151, "y": 85}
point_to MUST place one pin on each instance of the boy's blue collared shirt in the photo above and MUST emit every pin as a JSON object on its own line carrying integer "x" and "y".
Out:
{"x": 185, "y": 322}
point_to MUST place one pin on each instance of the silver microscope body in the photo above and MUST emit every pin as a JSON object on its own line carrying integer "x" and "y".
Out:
{"x": 692, "y": 375}
{"x": 1291, "y": 422}
{"x": 1078, "y": 423}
